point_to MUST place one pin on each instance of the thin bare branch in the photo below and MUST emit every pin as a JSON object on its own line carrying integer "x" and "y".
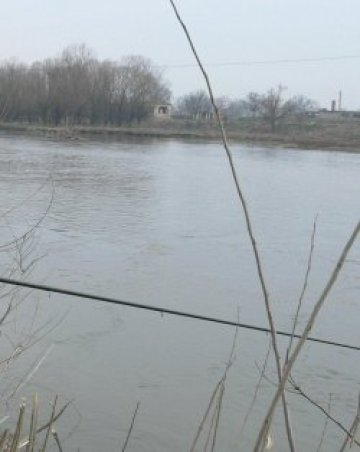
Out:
{"x": 328, "y": 410}
{"x": 57, "y": 439}
{"x": 353, "y": 430}
{"x": 50, "y": 425}
{"x": 257, "y": 388}
{"x": 206, "y": 414}
{"x": 216, "y": 395}
{"x": 131, "y": 427}
{"x": 33, "y": 424}
{"x": 32, "y": 371}
{"x": 356, "y": 423}
{"x": 3, "y": 439}
{"x": 6, "y": 313}
{"x": 300, "y": 391}
{"x": 55, "y": 418}
{"x": 217, "y": 417}
{"x": 247, "y": 220}
{"x": 211, "y": 426}
{"x": 27, "y": 198}
{"x": 35, "y": 226}
{"x": 305, "y": 285}
{"x": 16, "y": 437}
{"x": 311, "y": 321}
{"x": 296, "y": 389}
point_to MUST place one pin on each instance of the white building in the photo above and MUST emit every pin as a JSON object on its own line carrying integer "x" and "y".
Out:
{"x": 162, "y": 111}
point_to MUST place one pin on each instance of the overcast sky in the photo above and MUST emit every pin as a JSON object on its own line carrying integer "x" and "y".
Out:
{"x": 223, "y": 30}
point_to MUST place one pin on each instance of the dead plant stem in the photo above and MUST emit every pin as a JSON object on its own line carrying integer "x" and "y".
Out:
{"x": 131, "y": 427}
{"x": 247, "y": 220}
{"x": 311, "y": 321}
{"x": 353, "y": 429}
{"x": 305, "y": 285}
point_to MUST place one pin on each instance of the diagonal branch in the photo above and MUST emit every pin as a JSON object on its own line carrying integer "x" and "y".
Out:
{"x": 131, "y": 427}
{"x": 353, "y": 429}
{"x": 247, "y": 219}
{"x": 293, "y": 357}
{"x": 325, "y": 425}
{"x": 300, "y": 391}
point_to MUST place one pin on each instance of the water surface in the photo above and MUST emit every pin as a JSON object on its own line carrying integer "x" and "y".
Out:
{"x": 158, "y": 222}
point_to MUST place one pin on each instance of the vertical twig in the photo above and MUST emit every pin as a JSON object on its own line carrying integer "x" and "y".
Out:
{"x": 16, "y": 437}
{"x": 257, "y": 388}
{"x": 206, "y": 414}
{"x": 353, "y": 429}
{"x": 217, "y": 395}
{"x": 3, "y": 439}
{"x": 356, "y": 423}
{"x": 33, "y": 424}
{"x": 131, "y": 427}
{"x": 212, "y": 421}
{"x": 325, "y": 425}
{"x": 52, "y": 417}
{"x": 302, "y": 294}
{"x": 247, "y": 220}
{"x": 217, "y": 418}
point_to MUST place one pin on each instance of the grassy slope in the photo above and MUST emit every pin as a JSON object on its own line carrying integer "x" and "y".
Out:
{"x": 316, "y": 134}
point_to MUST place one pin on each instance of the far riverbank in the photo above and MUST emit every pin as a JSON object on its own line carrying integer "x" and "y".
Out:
{"x": 327, "y": 136}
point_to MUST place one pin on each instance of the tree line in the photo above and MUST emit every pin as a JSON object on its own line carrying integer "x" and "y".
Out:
{"x": 272, "y": 107}
{"x": 77, "y": 88}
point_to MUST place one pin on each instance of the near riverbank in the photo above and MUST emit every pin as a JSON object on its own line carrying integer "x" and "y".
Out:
{"x": 328, "y": 135}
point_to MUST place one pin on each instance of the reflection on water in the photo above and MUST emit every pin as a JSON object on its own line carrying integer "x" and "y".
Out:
{"x": 158, "y": 222}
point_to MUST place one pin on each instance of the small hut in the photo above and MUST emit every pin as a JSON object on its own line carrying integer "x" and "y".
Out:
{"x": 162, "y": 111}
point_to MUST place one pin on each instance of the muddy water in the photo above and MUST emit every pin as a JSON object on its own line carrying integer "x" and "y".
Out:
{"x": 158, "y": 222}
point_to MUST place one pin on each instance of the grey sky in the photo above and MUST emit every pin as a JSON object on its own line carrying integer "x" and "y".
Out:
{"x": 223, "y": 30}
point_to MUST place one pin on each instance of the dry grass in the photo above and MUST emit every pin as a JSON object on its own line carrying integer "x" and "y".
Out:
{"x": 27, "y": 435}
{"x": 341, "y": 135}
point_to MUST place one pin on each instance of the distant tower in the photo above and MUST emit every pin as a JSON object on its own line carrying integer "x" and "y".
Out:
{"x": 333, "y": 105}
{"x": 340, "y": 100}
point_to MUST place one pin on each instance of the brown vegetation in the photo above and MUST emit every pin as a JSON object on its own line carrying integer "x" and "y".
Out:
{"x": 77, "y": 88}
{"x": 314, "y": 133}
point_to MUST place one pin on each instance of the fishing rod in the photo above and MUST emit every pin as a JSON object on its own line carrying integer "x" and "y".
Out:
{"x": 162, "y": 310}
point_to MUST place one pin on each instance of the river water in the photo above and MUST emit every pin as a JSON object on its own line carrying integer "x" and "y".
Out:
{"x": 158, "y": 222}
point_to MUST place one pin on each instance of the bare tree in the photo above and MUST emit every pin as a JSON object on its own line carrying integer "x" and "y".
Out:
{"x": 237, "y": 109}
{"x": 143, "y": 87}
{"x": 195, "y": 104}
{"x": 76, "y": 88}
{"x": 12, "y": 75}
{"x": 273, "y": 107}
{"x": 69, "y": 84}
